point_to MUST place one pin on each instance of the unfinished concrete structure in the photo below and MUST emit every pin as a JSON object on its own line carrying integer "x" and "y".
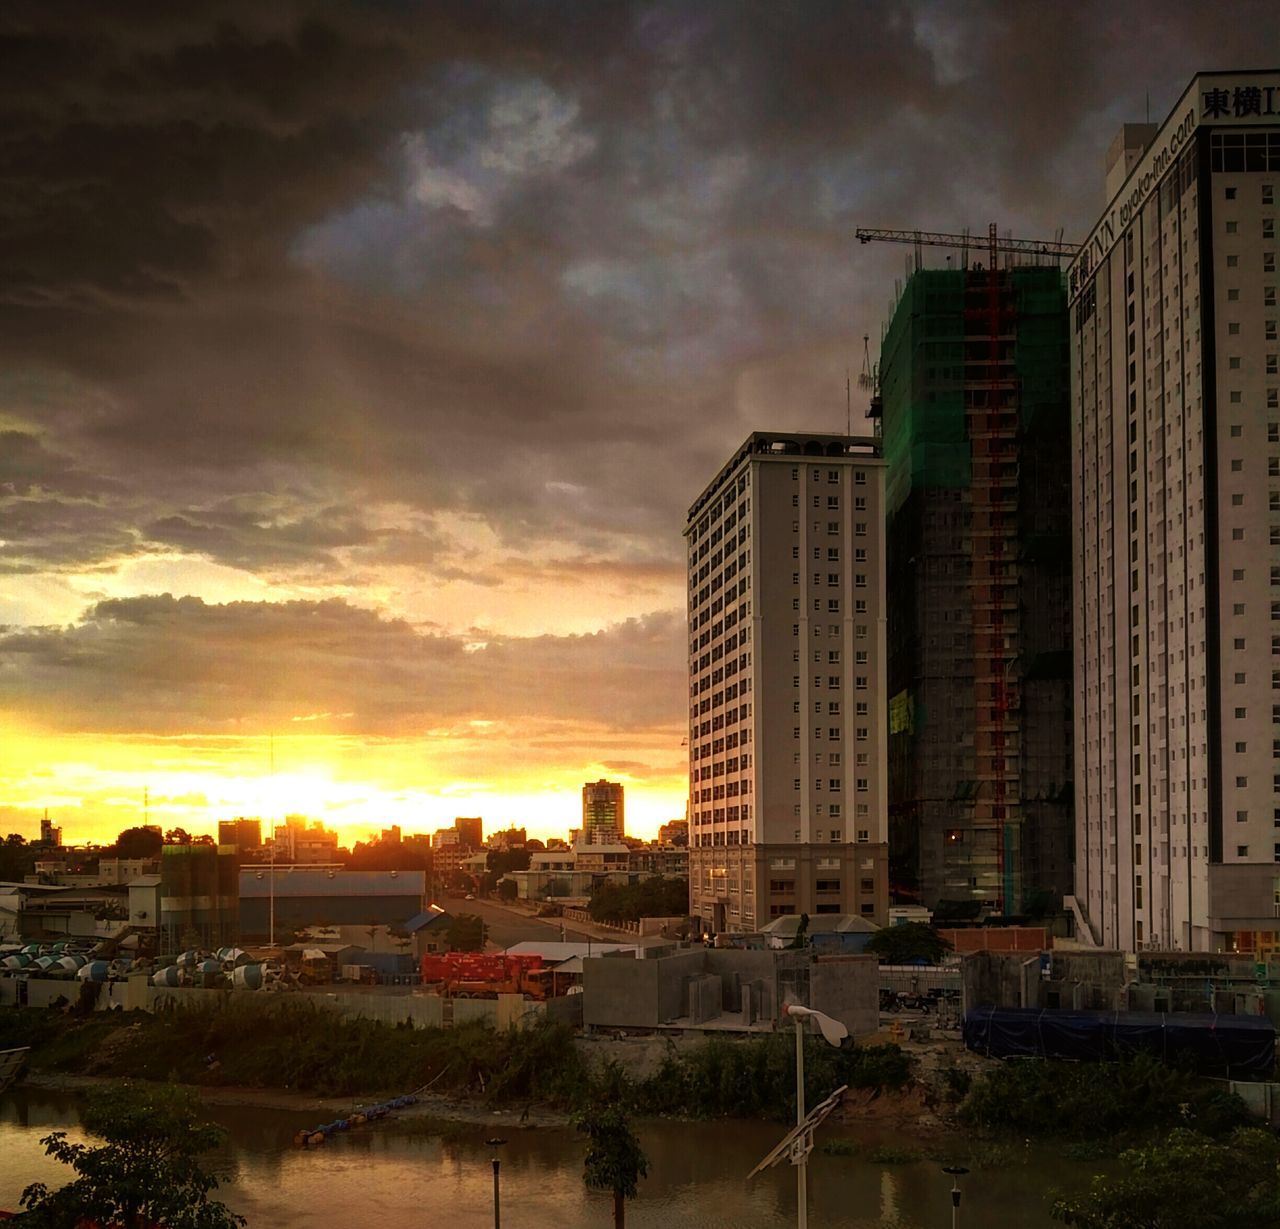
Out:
{"x": 728, "y": 990}
{"x": 974, "y": 384}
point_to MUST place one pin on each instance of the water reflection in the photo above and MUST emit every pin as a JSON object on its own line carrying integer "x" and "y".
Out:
{"x": 697, "y": 1176}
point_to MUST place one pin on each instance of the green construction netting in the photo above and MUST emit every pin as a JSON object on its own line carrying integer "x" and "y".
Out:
{"x": 922, "y": 383}
{"x": 922, "y": 374}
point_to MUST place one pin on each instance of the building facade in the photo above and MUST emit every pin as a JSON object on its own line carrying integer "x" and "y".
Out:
{"x": 974, "y": 379}
{"x": 470, "y": 829}
{"x": 1176, "y": 492}
{"x": 301, "y": 896}
{"x": 603, "y": 812}
{"x": 244, "y": 834}
{"x": 786, "y": 619}
{"x": 295, "y": 841}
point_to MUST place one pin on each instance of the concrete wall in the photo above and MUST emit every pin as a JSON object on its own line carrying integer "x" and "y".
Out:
{"x": 847, "y": 988}
{"x": 1092, "y": 981}
{"x": 418, "y": 1010}
{"x": 622, "y": 993}
{"x": 674, "y": 973}
{"x": 706, "y": 997}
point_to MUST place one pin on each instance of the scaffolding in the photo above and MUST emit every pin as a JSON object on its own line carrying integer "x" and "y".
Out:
{"x": 973, "y": 377}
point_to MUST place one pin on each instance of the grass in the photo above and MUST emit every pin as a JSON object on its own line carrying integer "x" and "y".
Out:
{"x": 886, "y": 1155}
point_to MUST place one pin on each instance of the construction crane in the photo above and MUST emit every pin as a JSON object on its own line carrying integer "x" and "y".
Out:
{"x": 1054, "y": 248}
{"x": 869, "y": 379}
{"x": 991, "y": 401}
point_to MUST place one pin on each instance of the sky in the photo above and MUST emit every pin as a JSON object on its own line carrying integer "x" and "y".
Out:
{"x": 359, "y": 362}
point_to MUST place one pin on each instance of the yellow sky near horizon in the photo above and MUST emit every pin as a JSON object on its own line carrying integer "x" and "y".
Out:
{"x": 94, "y": 786}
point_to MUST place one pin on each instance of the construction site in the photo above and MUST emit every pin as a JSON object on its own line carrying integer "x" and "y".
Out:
{"x": 972, "y": 389}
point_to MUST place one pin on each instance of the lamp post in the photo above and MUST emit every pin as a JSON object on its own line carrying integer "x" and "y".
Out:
{"x": 495, "y": 1144}
{"x": 956, "y": 1172}
{"x": 834, "y": 1032}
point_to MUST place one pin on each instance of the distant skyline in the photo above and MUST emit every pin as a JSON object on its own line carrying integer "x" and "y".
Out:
{"x": 358, "y": 362}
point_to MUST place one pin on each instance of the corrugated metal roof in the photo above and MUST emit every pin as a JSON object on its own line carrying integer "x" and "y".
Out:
{"x": 422, "y": 920}
{"x": 255, "y": 883}
{"x": 555, "y": 952}
{"x": 822, "y": 923}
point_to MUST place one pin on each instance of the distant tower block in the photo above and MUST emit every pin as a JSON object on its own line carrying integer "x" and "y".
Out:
{"x": 602, "y": 813}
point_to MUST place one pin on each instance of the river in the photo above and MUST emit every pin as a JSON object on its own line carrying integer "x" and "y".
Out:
{"x": 387, "y": 1176}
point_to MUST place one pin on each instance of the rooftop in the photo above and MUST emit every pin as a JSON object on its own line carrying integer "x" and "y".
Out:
{"x": 255, "y": 882}
{"x": 788, "y": 445}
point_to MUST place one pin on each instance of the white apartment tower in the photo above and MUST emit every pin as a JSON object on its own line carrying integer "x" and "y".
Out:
{"x": 787, "y": 704}
{"x": 1176, "y": 523}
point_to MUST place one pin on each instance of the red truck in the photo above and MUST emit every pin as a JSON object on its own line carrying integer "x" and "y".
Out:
{"x": 485, "y": 975}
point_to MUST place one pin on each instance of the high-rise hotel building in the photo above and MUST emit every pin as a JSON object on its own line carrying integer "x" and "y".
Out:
{"x": 787, "y": 745}
{"x": 1176, "y": 515}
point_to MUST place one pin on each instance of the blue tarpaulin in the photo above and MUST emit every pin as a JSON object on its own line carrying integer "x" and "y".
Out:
{"x": 1233, "y": 1046}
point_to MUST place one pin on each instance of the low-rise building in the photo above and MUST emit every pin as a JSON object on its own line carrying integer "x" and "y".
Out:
{"x": 303, "y": 896}
{"x": 671, "y": 861}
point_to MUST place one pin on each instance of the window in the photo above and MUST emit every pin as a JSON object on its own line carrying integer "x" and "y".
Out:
{"x": 1242, "y": 851}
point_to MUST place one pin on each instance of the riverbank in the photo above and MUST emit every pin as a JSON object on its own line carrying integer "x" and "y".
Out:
{"x": 444, "y": 1108}
{"x": 291, "y": 1045}
{"x": 287, "y": 1053}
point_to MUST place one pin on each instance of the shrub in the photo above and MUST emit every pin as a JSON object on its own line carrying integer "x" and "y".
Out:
{"x": 1039, "y": 1097}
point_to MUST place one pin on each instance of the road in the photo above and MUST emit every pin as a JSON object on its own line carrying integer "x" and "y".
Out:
{"x": 506, "y": 926}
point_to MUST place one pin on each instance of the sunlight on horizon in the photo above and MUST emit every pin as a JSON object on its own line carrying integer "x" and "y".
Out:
{"x": 93, "y": 787}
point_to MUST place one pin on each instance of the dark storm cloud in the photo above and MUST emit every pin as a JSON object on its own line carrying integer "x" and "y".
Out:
{"x": 279, "y": 266}
{"x": 176, "y": 665}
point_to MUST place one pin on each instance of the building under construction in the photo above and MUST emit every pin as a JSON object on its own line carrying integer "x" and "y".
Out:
{"x": 974, "y": 385}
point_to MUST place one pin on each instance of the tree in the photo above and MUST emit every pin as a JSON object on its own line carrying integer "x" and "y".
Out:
{"x": 177, "y": 836}
{"x": 139, "y": 843}
{"x": 1185, "y": 1181}
{"x": 655, "y": 896}
{"x": 466, "y": 933}
{"x": 508, "y": 889}
{"x": 500, "y": 861}
{"x": 910, "y": 943}
{"x": 146, "y": 1173}
{"x": 615, "y": 1161}
{"x": 801, "y": 932}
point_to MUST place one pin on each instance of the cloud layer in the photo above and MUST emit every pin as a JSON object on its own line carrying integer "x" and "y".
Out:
{"x": 373, "y": 332}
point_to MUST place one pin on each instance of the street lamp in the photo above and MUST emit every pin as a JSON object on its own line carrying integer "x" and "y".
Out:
{"x": 956, "y": 1172}
{"x": 834, "y": 1033}
{"x": 495, "y": 1144}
